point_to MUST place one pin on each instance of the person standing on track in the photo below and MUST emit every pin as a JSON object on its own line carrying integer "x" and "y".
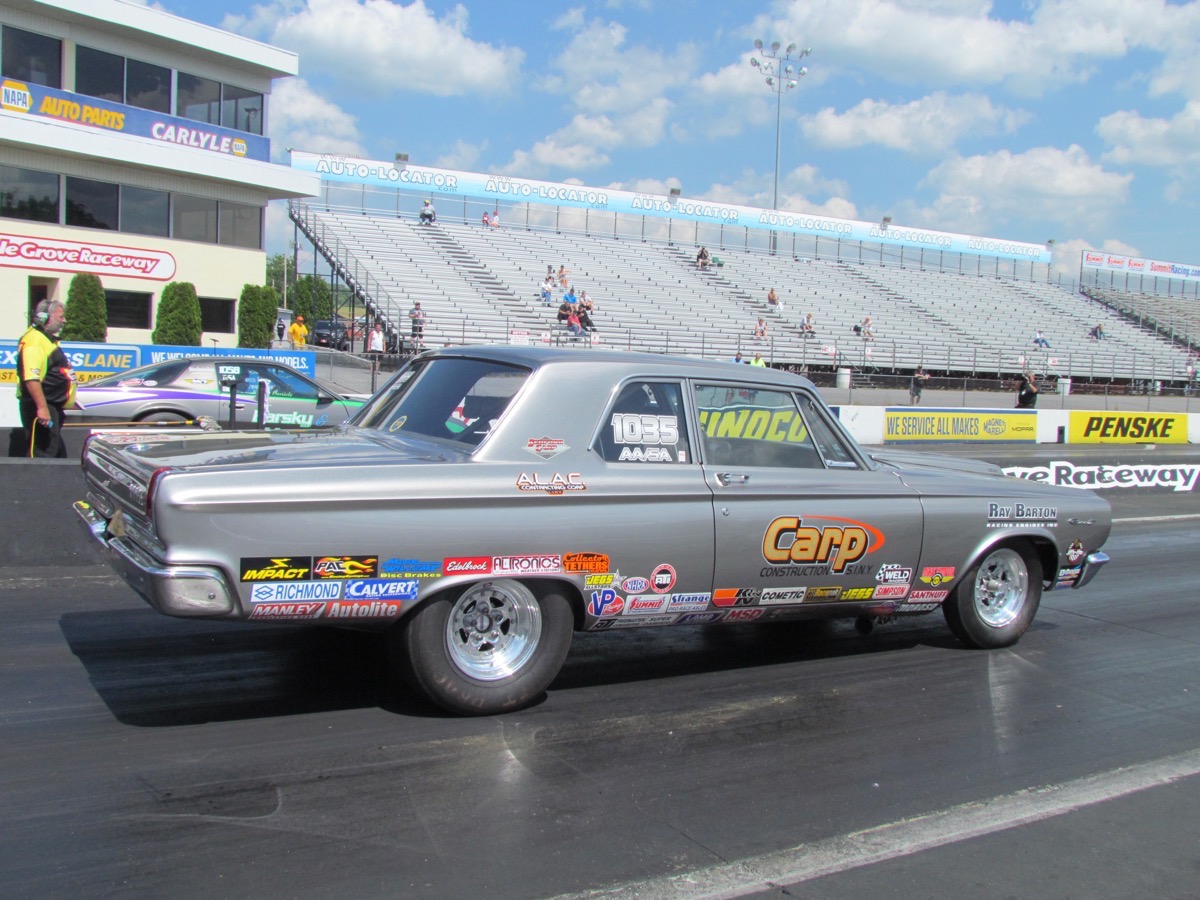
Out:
{"x": 45, "y": 382}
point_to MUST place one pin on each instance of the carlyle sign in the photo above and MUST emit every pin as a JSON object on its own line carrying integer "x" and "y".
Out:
{"x": 26, "y": 252}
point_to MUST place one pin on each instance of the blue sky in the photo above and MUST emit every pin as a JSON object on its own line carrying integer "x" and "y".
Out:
{"x": 1077, "y": 120}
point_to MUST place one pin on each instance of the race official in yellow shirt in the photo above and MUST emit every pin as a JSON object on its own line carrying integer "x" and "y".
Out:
{"x": 45, "y": 382}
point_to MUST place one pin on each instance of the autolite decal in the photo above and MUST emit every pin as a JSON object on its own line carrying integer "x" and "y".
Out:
{"x": 935, "y": 575}
{"x": 276, "y": 568}
{"x": 787, "y": 541}
{"x": 362, "y": 609}
{"x": 345, "y": 566}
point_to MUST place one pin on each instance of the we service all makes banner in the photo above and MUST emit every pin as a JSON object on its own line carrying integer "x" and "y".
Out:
{"x": 906, "y": 425}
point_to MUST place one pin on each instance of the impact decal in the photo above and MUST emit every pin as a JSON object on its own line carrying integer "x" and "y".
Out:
{"x": 276, "y": 568}
{"x": 295, "y": 590}
{"x": 346, "y": 566}
{"x": 1177, "y": 478}
{"x": 818, "y": 550}
{"x": 555, "y": 485}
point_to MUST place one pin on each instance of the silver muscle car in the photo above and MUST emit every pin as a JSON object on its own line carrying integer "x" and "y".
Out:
{"x": 488, "y": 502}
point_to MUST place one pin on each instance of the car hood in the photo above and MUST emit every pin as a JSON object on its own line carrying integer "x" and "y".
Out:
{"x": 909, "y": 460}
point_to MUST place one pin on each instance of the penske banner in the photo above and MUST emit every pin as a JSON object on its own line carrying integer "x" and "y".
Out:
{"x": 905, "y": 424}
{"x": 1128, "y": 428}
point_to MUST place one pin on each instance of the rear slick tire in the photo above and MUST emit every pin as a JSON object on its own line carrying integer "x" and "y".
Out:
{"x": 996, "y": 601}
{"x": 492, "y": 647}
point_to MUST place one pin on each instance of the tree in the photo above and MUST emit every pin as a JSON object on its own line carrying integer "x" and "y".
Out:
{"x": 279, "y": 267}
{"x": 87, "y": 311}
{"x": 312, "y": 298}
{"x": 256, "y": 316}
{"x": 178, "y": 318}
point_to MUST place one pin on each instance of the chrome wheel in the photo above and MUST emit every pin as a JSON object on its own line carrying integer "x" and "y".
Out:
{"x": 493, "y": 630}
{"x": 1001, "y": 588}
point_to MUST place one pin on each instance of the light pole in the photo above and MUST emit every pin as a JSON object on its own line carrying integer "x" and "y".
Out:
{"x": 781, "y": 77}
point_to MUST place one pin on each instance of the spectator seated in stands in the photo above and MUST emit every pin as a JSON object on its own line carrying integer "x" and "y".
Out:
{"x": 1039, "y": 340}
{"x": 866, "y": 329}
{"x": 760, "y": 330}
{"x": 1097, "y": 332}
{"x": 773, "y": 299}
{"x": 495, "y": 218}
{"x": 574, "y": 326}
{"x": 585, "y": 307}
{"x": 487, "y": 221}
{"x": 548, "y": 291}
{"x": 808, "y": 328}
{"x": 428, "y": 214}
{"x": 703, "y": 259}
{"x": 563, "y": 280}
{"x": 564, "y": 311}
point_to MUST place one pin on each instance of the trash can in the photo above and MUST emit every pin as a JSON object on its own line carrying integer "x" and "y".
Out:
{"x": 843, "y": 379}
{"x": 1064, "y": 386}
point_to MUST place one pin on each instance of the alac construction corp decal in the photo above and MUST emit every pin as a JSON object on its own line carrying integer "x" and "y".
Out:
{"x": 1102, "y": 477}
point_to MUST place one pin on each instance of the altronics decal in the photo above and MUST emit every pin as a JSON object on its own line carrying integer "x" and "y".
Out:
{"x": 345, "y": 566}
{"x": 295, "y": 590}
{"x": 527, "y": 565}
{"x": 1095, "y": 478}
{"x": 276, "y": 568}
{"x": 788, "y": 541}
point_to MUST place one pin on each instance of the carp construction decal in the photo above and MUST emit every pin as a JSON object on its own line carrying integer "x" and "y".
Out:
{"x": 815, "y": 549}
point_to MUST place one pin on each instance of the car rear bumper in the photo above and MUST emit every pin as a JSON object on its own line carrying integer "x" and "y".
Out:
{"x": 173, "y": 590}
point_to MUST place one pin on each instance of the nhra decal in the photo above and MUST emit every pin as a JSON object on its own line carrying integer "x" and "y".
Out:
{"x": 281, "y": 612}
{"x": 892, "y": 573}
{"x": 754, "y": 423}
{"x": 935, "y": 575}
{"x": 736, "y": 596}
{"x": 362, "y": 609}
{"x": 381, "y": 589}
{"x": 858, "y": 593}
{"x": 823, "y": 594}
{"x": 1075, "y": 551}
{"x": 938, "y": 596}
{"x": 635, "y": 585}
{"x": 295, "y": 590}
{"x": 605, "y": 603}
{"x": 644, "y": 604}
{"x": 410, "y": 568}
{"x": 276, "y": 568}
{"x": 554, "y": 485}
{"x": 890, "y": 592}
{"x": 662, "y": 579}
{"x": 1001, "y": 516}
{"x": 546, "y": 447}
{"x": 743, "y": 615}
{"x": 782, "y": 596}
{"x": 527, "y": 565}
{"x": 1060, "y": 472}
{"x": 831, "y": 547}
{"x": 346, "y": 566}
{"x": 467, "y": 565}
{"x": 681, "y": 602}
{"x": 585, "y": 562}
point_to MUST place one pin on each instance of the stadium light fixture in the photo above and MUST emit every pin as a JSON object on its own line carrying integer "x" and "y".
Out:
{"x": 675, "y": 192}
{"x": 887, "y": 221}
{"x": 781, "y": 76}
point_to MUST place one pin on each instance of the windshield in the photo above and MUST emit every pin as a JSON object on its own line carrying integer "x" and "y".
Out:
{"x": 448, "y": 399}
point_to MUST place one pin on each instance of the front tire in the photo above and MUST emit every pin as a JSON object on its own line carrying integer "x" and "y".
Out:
{"x": 492, "y": 647}
{"x": 996, "y": 601}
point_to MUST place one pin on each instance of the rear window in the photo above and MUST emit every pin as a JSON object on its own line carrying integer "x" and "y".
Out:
{"x": 452, "y": 399}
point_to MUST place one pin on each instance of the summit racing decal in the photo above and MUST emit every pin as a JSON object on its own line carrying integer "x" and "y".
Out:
{"x": 1176, "y": 478}
{"x": 788, "y": 541}
{"x": 346, "y": 567}
{"x": 554, "y": 485}
{"x": 276, "y": 568}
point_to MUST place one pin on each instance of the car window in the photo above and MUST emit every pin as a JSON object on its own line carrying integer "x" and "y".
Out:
{"x": 450, "y": 399}
{"x": 741, "y": 426}
{"x": 145, "y": 376}
{"x": 645, "y": 424}
{"x": 829, "y": 442}
{"x": 281, "y": 383}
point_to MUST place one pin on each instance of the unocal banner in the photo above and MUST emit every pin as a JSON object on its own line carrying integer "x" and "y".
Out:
{"x": 505, "y": 188}
{"x": 92, "y": 361}
{"x": 1128, "y": 428}
{"x": 1175, "y": 477}
{"x": 904, "y": 424}
{"x": 90, "y": 112}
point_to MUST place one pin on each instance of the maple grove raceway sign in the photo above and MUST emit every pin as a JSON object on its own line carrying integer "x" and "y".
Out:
{"x": 1177, "y": 477}
{"x": 27, "y": 252}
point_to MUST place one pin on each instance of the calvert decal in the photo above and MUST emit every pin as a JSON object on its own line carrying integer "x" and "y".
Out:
{"x": 1128, "y": 428}
{"x": 276, "y": 568}
{"x": 26, "y": 252}
{"x": 295, "y": 590}
{"x": 1170, "y": 477}
{"x": 790, "y": 540}
{"x": 904, "y": 424}
{"x": 381, "y": 589}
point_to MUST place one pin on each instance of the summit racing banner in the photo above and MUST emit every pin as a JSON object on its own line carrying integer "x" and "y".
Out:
{"x": 905, "y": 424}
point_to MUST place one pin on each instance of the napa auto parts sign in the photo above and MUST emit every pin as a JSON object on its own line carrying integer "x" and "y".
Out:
{"x": 25, "y": 252}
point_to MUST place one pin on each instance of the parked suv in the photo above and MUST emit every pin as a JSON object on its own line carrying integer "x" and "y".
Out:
{"x": 326, "y": 333}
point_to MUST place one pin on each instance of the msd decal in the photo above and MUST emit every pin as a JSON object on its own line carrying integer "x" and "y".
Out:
{"x": 789, "y": 540}
{"x": 605, "y": 603}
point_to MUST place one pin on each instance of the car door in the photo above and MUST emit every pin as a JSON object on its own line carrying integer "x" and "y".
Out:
{"x": 800, "y": 518}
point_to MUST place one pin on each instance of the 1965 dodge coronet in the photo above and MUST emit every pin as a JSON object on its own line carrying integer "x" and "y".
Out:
{"x": 488, "y": 502}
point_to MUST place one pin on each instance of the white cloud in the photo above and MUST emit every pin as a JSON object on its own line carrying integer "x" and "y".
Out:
{"x": 383, "y": 47}
{"x": 301, "y": 119}
{"x": 1155, "y": 142}
{"x": 462, "y": 155}
{"x": 1062, "y": 187}
{"x": 927, "y": 125}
